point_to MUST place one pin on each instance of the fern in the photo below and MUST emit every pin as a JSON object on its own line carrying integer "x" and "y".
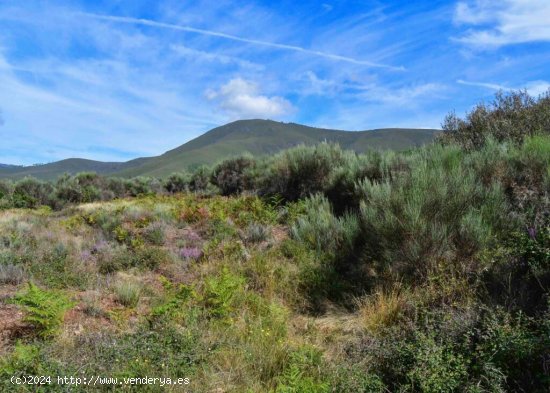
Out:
{"x": 44, "y": 309}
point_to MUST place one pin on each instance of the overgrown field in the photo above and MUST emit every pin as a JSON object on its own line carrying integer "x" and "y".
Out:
{"x": 317, "y": 270}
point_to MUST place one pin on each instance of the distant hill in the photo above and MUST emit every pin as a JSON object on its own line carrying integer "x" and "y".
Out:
{"x": 70, "y": 165}
{"x": 258, "y": 137}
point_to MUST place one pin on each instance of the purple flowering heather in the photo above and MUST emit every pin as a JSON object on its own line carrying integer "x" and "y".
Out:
{"x": 532, "y": 232}
{"x": 86, "y": 255}
{"x": 188, "y": 253}
{"x": 192, "y": 236}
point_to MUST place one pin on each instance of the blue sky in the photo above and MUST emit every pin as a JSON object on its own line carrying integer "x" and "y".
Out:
{"x": 114, "y": 80}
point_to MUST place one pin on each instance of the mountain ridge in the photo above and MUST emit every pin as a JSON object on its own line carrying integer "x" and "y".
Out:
{"x": 256, "y": 136}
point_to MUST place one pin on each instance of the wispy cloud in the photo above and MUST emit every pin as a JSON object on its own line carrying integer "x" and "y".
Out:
{"x": 116, "y": 80}
{"x": 91, "y": 104}
{"x": 152, "y": 23}
{"x": 503, "y": 22}
{"x": 492, "y": 86}
{"x": 199, "y": 55}
{"x": 534, "y": 88}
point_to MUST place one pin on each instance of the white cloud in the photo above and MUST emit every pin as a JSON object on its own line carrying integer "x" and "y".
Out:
{"x": 242, "y": 99}
{"x": 406, "y": 95}
{"x": 504, "y": 22}
{"x": 205, "y": 56}
{"x": 492, "y": 86}
{"x": 534, "y": 88}
{"x": 327, "y": 87}
{"x": 80, "y": 107}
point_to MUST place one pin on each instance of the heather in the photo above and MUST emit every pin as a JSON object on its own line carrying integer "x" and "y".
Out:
{"x": 314, "y": 270}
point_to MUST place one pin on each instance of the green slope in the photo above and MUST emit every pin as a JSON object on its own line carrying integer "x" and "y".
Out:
{"x": 259, "y": 137}
{"x": 70, "y": 165}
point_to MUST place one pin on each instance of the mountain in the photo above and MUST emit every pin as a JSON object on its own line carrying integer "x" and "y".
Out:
{"x": 259, "y": 137}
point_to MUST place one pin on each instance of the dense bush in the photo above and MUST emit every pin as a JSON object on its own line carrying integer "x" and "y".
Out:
{"x": 5, "y": 189}
{"x": 232, "y": 176}
{"x": 301, "y": 171}
{"x": 141, "y": 186}
{"x": 375, "y": 166}
{"x": 81, "y": 188}
{"x": 200, "y": 180}
{"x": 30, "y": 193}
{"x": 320, "y": 229}
{"x": 177, "y": 182}
{"x": 438, "y": 212}
{"x": 510, "y": 117}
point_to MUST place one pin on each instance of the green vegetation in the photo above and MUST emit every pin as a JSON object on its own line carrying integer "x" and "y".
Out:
{"x": 315, "y": 270}
{"x": 258, "y": 137}
{"x": 44, "y": 309}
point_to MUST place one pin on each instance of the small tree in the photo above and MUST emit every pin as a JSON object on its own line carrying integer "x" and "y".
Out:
{"x": 232, "y": 176}
{"x": 177, "y": 182}
{"x": 31, "y": 192}
{"x": 510, "y": 117}
{"x": 200, "y": 179}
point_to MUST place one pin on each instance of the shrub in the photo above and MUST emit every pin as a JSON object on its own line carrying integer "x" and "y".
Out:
{"x": 11, "y": 274}
{"x": 510, "y": 117}
{"x": 177, "y": 182}
{"x": 355, "y": 379}
{"x": 112, "y": 260}
{"x": 154, "y": 233}
{"x": 437, "y": 367}
{"x": 128, "y": 293}
{"x": 31, "y": 193}
{"x": 441, "y": 211}
{"x": 256, "y": 233}
{"x": 56, "y": 268}
{"x": 140, "y": 186}
{"x": 232, "y": 176}
{"x": 44, "y": 309}
{"x": 150, "y": 257}
{"x": 84, "y": 187}
{"x": 116, "y": 186}
{"x": 321, "y": 230}
{"x": 6, "y": 189}
{"x": 376, "y": 166}
{"x": 123, "y": 258}
{"x": 190, "y": 253}
{"x": 200, "y": 180}
{"x": 301, "y": 171}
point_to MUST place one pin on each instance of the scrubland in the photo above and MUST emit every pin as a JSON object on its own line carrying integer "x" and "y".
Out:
{"x": 316, "y": 270}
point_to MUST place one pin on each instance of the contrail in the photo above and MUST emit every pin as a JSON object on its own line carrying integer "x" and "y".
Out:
{"x": 152, "y": 23}
{"x": 481, "y": 84}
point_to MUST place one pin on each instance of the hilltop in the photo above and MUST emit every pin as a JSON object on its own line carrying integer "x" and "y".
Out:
{"x": 258, "y": 137}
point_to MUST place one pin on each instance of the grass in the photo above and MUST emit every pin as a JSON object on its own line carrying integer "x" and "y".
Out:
{"x": 127, "y": 292}
{"x": 432, "y": 277}
{"x": 382, "y": 310}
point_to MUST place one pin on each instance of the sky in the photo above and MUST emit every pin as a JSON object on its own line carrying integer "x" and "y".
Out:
{"x": 114, "y": 80}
